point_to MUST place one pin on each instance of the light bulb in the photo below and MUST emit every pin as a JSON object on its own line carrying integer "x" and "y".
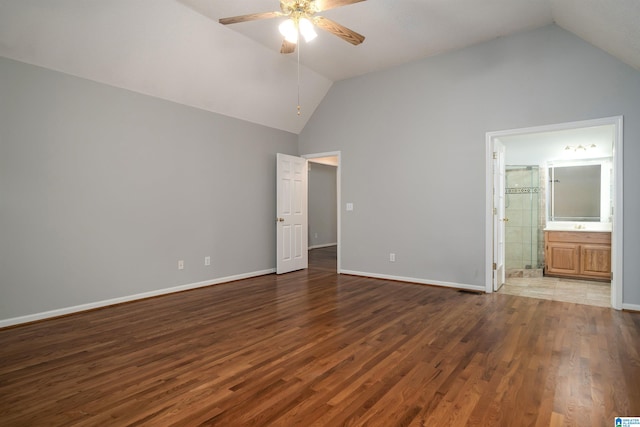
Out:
{"x": 307, "y": 30}
{"x": 289, "y": 31}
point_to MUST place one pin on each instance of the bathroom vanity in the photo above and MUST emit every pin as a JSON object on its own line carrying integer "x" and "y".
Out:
{"x": 579, "y": 254}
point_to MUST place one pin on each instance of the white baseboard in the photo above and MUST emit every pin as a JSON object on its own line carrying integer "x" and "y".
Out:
{"x": 98, "y": 304}
{"x": 324, "y": 245}
{"x": 480, "y": 288}
{"x": 631, "y": 307}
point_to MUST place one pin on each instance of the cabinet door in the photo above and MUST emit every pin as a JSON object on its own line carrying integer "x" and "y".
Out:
{"x": 562, "y": 258}
{"x": 595, "y": 260}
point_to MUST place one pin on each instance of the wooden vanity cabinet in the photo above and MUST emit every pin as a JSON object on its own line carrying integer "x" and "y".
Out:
{"x": 578, "y": 254}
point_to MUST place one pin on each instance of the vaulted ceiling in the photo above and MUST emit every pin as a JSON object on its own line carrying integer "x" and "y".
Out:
{"x": 177, "y": 50}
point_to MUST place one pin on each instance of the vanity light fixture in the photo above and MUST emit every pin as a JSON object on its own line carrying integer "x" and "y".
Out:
{"x": 579, "y": 147}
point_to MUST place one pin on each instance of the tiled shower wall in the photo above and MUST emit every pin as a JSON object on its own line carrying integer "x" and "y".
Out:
{"x": 525, "y": 209}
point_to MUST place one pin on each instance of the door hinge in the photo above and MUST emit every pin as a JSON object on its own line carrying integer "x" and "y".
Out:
{"x": 495, "y": 211}
{"x": 495, "y": 266}
{"x": 495, "y": 155}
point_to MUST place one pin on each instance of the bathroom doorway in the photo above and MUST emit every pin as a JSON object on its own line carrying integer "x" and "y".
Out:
{"x": 527, "y": 155}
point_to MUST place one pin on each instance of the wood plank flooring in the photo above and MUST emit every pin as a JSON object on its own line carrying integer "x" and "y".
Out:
{"x": 312, "y": 348}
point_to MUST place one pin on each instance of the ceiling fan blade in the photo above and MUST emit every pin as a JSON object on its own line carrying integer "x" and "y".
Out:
{"x": 332, "y": 4}
{"x": 339, "y": 30}
{"x": 287, "y": 47}
{"x": 250, "y": 17}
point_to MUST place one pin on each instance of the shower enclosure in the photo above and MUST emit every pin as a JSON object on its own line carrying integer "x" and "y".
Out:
{"x": 524, "y": 230}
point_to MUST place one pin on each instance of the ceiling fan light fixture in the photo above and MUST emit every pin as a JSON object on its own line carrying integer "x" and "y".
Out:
{"x": 307, "y": 30}
{"x": 300, "y": 18}
{"x": 289, "y": 31}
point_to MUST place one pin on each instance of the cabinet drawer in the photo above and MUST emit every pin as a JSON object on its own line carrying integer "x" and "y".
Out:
{"x": 579, "y": 236}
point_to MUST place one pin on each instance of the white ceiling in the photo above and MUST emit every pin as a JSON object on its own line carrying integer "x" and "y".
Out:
{"x": 176, "y": 50}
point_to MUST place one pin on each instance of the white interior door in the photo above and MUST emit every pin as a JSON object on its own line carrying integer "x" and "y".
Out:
{"x": 291, "y": 213}
{"x": 499, "y": 218}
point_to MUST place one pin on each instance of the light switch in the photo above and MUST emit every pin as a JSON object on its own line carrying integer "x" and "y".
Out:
{"x": 349, "y": 206}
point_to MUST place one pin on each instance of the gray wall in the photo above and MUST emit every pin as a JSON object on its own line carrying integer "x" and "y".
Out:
{"x": 323, "y": 227}
{"x": 424, "y": 123}
{"x": 103, "y": 190}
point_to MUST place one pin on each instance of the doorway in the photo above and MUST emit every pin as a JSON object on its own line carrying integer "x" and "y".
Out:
{"x": 531, "y": 157}
{"x": 324, "y": 213}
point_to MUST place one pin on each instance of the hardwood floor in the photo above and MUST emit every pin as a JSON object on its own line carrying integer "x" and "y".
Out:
{"x": 312, "y": 348}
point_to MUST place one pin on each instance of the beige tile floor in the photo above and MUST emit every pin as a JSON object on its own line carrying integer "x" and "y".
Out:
{"x": 567, "y": 290}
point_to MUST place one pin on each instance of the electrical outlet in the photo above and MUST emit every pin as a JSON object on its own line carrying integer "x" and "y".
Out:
{"x": 315, "y": 236}
{"x": 207, "y": 260}
{"x": 181, "y": 264}
{"x": 392, "y": 257}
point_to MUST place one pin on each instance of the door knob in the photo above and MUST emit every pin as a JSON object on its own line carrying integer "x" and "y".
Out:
{"x": 505, "y": 219}
{"x": 279, "y": 219}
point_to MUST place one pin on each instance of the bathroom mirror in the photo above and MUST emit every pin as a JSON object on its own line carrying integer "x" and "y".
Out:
{"x": 579, "y": 192}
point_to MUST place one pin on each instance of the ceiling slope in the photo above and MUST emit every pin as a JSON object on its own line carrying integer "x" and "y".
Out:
{"x": 613, "y": 26}
{"x": 396, "y": 31}
{"x": 164, "y": 49}
{"x": 177, "y": 50}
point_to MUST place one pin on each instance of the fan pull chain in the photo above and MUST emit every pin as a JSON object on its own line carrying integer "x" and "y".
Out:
{"x": 299, "y": 77}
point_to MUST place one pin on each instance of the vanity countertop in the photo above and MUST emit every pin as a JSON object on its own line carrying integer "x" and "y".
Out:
{"x": 604, "y": 227}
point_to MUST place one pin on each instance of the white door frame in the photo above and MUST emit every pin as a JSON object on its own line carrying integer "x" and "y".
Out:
{"x": 338, "y": 197}
{"x": 617, "y": 224}
{"x": 499, "y": 229}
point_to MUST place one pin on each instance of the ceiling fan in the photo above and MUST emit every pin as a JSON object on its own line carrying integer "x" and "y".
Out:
{"x": 302, "y": 17}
